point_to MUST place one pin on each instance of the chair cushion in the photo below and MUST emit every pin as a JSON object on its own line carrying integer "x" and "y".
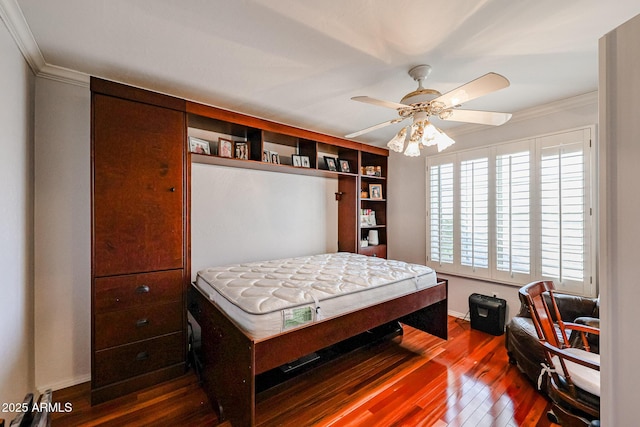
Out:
{"x": 583, "y": 377}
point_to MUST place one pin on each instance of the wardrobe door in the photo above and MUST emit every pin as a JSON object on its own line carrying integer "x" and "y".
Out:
{"x": 138, "y": 198}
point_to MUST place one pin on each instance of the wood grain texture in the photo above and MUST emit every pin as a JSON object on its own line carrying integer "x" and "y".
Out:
{"x": 413, "y": 380}
{"x": 138, "y": 199}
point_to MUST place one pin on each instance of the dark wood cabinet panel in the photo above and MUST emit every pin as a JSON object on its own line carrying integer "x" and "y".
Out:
{"x": 347, "y": 214}
{"x": 379, "y": 251}
{"x": 135, "y": 290}
{"x": 136, "y": 324}
{"x": 138, "y": 171}
{"x": 119, "y": 363}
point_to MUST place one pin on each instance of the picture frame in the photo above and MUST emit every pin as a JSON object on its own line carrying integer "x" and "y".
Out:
{"x": 297, "y": 160}
{"x": 242, "y": 150}
{"x": 275, "y": 157}
{"x": 225, "y": 147}
{"x": 375, "y": 191}
{"x": 331, "y": 163}
{"x": 305, "y": 161}
{"x": 266, "y": 156}
{"x": 199, "y": 146}
{"x": 343, "y": 166}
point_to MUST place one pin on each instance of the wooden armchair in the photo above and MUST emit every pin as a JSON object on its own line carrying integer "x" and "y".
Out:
{"x": 574, "y": 373}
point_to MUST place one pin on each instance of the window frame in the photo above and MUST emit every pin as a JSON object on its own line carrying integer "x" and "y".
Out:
{"x": 534, "y": 145}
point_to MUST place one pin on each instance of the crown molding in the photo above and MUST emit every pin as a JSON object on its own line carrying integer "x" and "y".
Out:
{"x": 584, "y": 100}
{"x": 14, "y": 20}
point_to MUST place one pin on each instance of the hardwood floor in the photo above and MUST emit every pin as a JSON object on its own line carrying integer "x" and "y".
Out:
{"x": 412, "y": 380}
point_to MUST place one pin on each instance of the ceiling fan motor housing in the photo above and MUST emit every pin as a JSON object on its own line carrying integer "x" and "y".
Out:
{"x": 421, "y": 95}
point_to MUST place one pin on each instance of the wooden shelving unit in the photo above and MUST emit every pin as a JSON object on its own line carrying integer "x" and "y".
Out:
{"x": 211, "y": 124}
{"x": 373, "y": 172}
{"x": 141, "y": 194}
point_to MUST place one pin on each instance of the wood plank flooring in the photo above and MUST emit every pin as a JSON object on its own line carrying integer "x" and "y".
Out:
{"x": 412, "y": 380}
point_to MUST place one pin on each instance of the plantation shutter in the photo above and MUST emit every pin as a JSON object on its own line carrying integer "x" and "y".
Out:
{"x": 564, "y": 210}
{"x": 513, "y": 212}
{"x": 440, "y": 219}
{"x": 474, "y": 215}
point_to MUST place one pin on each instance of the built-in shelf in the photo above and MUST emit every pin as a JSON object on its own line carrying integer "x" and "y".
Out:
{"x": 258, "y": 165}
{"x": 275, "y": 147}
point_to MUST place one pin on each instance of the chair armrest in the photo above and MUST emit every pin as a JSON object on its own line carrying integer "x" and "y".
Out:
{"x": 582, "y": 328}
{"x": 594, "y": 322}
{"x": 569, "y": 356}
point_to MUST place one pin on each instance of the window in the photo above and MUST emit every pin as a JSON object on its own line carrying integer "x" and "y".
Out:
{"x": 474, "y": 213}
{"x": 441, "y": 213}
{"x": 563, "y": 211}
{"x": 514, "y": 212}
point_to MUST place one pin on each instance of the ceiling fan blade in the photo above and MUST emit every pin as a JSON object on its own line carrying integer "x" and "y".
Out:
{"x": 480, "y": 117}
{"x": 379, "y": 102}
{"x": 488, "y": 83}
{"x": 374, "y": 127}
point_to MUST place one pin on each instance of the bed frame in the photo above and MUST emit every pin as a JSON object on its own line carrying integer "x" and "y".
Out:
{"x": 232, "y": 360}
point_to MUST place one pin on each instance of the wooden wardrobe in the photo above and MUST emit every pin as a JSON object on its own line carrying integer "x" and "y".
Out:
{"x": 139, "y": 239}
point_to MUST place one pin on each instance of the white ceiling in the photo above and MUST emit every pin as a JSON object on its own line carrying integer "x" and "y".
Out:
{"x": 300, "y": 61}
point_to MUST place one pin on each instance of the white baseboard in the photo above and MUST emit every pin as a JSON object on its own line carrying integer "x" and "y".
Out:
{"x": 462, "y": 316}
{"x": 64, "y": 384}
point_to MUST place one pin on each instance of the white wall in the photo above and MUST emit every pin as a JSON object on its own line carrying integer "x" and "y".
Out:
{"x": 16, "y": 223}
{"x": 620, "y": 228}
{"x": 406, "y": 208}
{"x": 407, "y": 181}
{"x": 240, "y": 215}
{"x": 62, "y": 235}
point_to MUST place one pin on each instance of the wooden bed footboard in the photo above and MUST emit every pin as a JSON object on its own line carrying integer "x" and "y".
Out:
{"x": 231, "y": 359}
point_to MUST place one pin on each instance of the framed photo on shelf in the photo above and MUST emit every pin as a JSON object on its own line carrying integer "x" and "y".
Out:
{"x": 225, "y": 147}
{"x": 297, "y": 161}
{"x": 199, "y": 146}
{"x": 305, "y": 161}
{"x": 344, "y": 165}
{"x": 275, "y": 157}
{"x": 265, "y": 156}
{"x": 242, "y": 150}
{"x": 375, "y": 191}
{"x": 331, "y": 163}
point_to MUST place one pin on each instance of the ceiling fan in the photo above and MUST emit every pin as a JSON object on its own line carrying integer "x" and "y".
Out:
{"x": 422, "y": 103}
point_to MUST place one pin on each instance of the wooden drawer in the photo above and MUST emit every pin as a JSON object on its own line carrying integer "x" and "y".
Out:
{"x": 376, "y": 251}
{"x": 115, "y": 328}
{"x": 135, "y": 290}
{"x": 119, "y": 363}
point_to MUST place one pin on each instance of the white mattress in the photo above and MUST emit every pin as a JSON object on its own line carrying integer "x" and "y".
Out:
{"x": 270, "y": 297}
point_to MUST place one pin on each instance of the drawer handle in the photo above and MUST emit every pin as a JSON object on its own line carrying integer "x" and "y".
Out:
{"x": 142, "y": 289}
{"x": 143, "y": 355}
{"x": 142, "y": 322}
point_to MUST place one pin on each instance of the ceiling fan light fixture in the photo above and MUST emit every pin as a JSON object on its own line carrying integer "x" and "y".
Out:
{"x": 413, "y": 149}
{"x": 397, "y": 142}
{"x": 430, "y": 135}
{"x": 444, "y": 141}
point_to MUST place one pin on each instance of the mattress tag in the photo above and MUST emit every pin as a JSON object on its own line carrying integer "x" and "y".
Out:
{"x": 294, "y": 317}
